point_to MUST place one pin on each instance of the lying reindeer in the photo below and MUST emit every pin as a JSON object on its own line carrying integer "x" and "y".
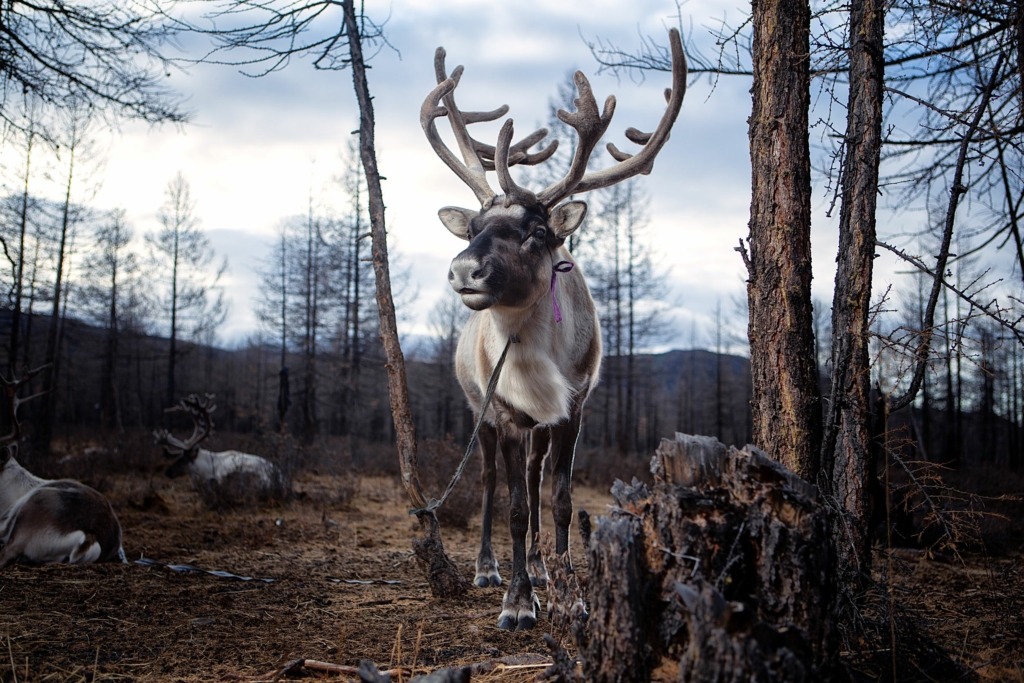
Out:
{"x": 44, "y": 521}
{"x": 228, "y": 478}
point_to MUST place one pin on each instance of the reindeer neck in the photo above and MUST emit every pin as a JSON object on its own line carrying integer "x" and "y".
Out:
{"x": 535, "y": 320}
{"x": 16, "y": 481}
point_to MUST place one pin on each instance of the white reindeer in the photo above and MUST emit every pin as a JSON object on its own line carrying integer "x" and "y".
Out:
{"x": 225, "y": 478}
{"x": 509, "y": 276}
{"x": 44, "y": 521}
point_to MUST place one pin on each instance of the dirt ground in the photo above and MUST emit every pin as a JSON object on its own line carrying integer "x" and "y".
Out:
{"x": 129, "y": 622}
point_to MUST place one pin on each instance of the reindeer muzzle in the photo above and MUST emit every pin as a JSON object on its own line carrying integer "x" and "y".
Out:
{"x": 468, "y": 276}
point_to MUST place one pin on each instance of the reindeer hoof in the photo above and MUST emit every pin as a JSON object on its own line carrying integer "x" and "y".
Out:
{"x": 519, "y": 613}
{"x": 538, "y": 581}
{"x": 487, "y": 570}
{"x": 509, "y": 621}
{"x": 485, "y": 580}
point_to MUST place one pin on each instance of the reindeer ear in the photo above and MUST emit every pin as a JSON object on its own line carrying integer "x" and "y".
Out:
{"x": 457, "y": 220}
{"x": 565, "y": 218}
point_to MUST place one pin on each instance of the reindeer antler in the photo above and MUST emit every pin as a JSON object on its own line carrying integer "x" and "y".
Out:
{"x": 11, "y": 388}
{"x": 590, "y": 126}
{"x": 628, "y": 165}
{"x": 479, "y": 157}
{"x": 199, "y": 410}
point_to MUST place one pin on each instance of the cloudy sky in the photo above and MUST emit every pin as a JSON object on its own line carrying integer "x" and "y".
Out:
{"x": 256, "y": 147}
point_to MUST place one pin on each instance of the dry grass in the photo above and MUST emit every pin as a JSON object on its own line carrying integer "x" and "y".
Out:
{"x": 150, "y": 624}
{"x": 115, "y": 622}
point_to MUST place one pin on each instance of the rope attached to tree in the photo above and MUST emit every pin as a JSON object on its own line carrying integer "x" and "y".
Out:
{"x": 492, "y": 383}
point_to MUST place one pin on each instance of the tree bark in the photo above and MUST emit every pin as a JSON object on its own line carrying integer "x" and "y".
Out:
{"x": 720, "y": 569}
{"x": 786, "y": 410}
{"x": 846, "y": 449}
{"x": 444, "y": 577}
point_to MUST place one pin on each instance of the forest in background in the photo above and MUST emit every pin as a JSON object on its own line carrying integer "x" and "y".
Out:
{"x": 128, "y": 322}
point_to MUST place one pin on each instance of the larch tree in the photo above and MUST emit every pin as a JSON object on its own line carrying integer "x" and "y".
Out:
{"x": 845, "y": 452}
{"x": 78, "y": 150}
{"x": 786, "y": 400}
{"x": 110, "y": 273}
{"x": 181, "y": 254}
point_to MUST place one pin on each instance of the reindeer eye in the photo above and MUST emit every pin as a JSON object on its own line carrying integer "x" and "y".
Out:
{"x": 540, "y": 233}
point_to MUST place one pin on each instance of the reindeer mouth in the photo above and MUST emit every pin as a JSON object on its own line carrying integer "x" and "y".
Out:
{"x": 476, "y": 299}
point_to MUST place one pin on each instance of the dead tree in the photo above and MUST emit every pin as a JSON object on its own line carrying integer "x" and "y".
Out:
{"x": 721, "y": 567}
{"x": 786, "y": 402}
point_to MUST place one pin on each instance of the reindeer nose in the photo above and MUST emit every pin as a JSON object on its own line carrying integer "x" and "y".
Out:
{"x": 467, "y": 272}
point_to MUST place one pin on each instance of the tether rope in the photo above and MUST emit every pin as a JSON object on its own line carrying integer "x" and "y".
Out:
{"x": 491, "y": 385}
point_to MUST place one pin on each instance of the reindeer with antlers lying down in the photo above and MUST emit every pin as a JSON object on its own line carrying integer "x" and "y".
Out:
{"x": 226, "y": 478}
{"x": 547, "y": 325}
{"x": 44, "y": 521}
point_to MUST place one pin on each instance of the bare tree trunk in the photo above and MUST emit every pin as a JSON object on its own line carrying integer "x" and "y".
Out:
{"x": 718, "y": 371}
{"x": 956, "y": 190}
{"x": 110, "y": 405}
{"x": 787, "y": 414}
{"x": 173, "y": 353}
{"x": 32, "y": 301}
{"x": 48, "y": 407}
{"x": 443, "y": 575}
{"x": 284, "y": 399}
{"x": 12, "y": 357}
{"x": 847, "y": 443}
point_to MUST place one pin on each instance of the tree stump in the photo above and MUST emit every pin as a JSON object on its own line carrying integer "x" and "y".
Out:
{"x": 720, "y": 571}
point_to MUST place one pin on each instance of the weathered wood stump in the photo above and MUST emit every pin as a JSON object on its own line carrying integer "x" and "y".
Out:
{"x": 720, "y": 570}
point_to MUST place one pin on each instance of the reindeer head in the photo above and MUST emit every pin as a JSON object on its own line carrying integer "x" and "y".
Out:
{"x": 513, "y": 237}
{"x": 186, "y": 451}
{"x": 9, "y": 441}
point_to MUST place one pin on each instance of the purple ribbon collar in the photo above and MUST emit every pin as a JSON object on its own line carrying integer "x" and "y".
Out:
{"x": 560, "y": 267}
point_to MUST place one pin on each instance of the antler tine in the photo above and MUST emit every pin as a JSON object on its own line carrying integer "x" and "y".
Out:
{"x": 202, "y": 424}
{"x": 472, "y": 171}
{"x": 641, "y": 163}
{"x": 590, "y": 126}
{"x": 513, "y": 193}
{"x": 11, "y": 388}
{"x": 173, "y": 446}
{"x": 518, "y": 153}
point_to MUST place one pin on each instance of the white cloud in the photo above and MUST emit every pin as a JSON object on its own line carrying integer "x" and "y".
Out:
{"x": 257, "y": 146}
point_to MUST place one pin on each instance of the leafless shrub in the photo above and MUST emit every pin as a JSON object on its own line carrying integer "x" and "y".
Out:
{"x": 437, "y": 466}
{"x": 941, "y": 518}
{"x": 567, "y": 610}
{"x": 867, "y": 644}
{"x": 243, "y": 489}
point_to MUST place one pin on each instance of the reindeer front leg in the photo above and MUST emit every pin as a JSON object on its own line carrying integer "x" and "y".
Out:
{"x": 486, "y": 563}
{"x": 563, "y": 452}
{"x": 539, "y": 441}
{"x": 520, "y": 604}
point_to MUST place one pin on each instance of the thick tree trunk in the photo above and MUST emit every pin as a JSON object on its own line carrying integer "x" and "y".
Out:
{"x": 444, "y": 577}
{"x": 721, "y": 570}
{"x": 847, "y": 444}
{"x": 787, "y": 414}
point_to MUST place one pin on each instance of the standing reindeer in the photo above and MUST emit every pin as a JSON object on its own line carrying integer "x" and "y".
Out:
{"x": 44, "y": 521}
{"x": 225, "y": 478}
{"x": 508, "y": 276}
